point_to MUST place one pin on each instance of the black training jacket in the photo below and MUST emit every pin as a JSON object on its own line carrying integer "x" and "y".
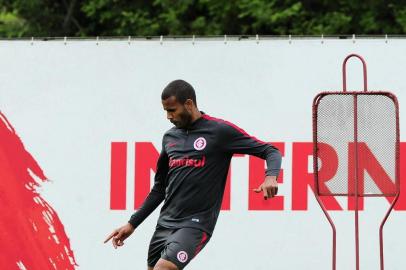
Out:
{"x": 192, "y": 170}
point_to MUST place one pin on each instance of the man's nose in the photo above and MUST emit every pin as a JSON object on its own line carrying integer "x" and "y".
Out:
{"x": 169, "y": 116}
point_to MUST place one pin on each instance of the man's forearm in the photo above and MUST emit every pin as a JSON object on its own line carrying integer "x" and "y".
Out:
{"x": 273, "y": 162}
{"x": 152, "y": 201}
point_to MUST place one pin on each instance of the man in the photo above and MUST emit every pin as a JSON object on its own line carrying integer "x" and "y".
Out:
{"x": 190, "y": 178}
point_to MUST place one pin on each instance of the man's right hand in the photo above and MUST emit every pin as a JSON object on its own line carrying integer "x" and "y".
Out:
{"x": 119, "y": 235}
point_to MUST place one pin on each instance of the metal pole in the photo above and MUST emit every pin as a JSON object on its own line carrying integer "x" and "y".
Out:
{"x": 316, "y": 184}
{"x": 381, "y": 230}
{"x": 356, "y": 183}
{"x": 364, "y": 69}
{"x": 332, "y": 227}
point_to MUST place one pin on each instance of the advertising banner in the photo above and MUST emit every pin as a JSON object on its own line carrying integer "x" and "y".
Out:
{"x": 81, "y": 129}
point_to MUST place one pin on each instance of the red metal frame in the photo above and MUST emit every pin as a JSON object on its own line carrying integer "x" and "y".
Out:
{"x": 316, "y": 186}
{"x": 397, "y": 168}
{"x": 356, "y": 195}
{"x": 364, "y": 70}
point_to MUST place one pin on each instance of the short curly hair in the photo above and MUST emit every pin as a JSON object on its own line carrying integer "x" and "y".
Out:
{"x": 180, "y": 89}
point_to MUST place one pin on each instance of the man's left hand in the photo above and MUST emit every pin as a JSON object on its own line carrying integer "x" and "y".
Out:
{"x": 269, "y": 187}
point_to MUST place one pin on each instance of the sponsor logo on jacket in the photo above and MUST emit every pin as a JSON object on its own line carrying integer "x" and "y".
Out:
{"x": 187, "y": 162}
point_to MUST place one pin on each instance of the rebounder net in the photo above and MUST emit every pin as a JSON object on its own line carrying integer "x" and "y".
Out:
{"x": 357, "y": 144}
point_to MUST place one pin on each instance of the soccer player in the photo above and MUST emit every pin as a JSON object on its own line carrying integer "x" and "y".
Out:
{"x": 190, "y": 178}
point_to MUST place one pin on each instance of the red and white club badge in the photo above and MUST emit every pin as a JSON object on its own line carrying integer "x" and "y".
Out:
{"x": 182, "y": 256}
{"x": 200, "y": 143}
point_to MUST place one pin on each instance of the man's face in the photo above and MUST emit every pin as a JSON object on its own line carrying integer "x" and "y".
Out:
{"x": 176, "y": 112}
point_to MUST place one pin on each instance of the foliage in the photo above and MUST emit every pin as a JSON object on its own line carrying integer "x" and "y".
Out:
{"x": 200, "y": 17}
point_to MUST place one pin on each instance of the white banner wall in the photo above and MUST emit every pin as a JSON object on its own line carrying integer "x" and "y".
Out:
{"x": 69, "y": 102}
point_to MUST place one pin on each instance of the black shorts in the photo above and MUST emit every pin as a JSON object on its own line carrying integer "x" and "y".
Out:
{"x": 178, "y": 246}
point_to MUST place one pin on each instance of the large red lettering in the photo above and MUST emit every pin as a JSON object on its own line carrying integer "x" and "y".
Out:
{"x": 302, "y": 179}
{"x": 146, "y": 157}
{"x": 367, "y": 163}
{"x": 226, "y": 203}
{"x": 118, "y": 175}
{"x": 351, "y": 178}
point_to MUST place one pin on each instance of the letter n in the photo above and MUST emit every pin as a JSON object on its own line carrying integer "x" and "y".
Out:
{"x": 146, "y": 157}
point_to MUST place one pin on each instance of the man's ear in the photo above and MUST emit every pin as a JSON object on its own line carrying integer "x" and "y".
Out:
{"x": 189, "y": 104}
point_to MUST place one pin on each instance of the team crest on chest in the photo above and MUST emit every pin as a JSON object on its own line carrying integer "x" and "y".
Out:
{"x": 200, "y": 143}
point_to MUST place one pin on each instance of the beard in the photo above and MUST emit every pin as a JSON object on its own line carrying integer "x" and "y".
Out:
{"x": 184, "y": 121}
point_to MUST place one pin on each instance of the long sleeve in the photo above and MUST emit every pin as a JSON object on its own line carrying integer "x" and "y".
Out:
{"x": 236, "y": 140}
{"x": 157, "y": 194}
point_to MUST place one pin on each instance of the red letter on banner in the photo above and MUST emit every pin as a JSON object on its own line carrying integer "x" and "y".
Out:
{"x": 367, "y": 162}
{"x": 118, "y": 175}
{"x": 225, "y": 204}
{"x": 302, "y": 179}
{"x": 256, "y": 178}
{"x": 351, "y": 178}
{"x": 146, "y": 157}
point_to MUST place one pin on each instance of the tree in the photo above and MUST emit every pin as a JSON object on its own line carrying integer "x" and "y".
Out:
{"x": 200, "y": 17}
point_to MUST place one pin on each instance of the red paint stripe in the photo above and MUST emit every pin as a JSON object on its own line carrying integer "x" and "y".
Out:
{"x": 118, "y": 176}
{"x": 205, "y": 116}
{"x": 32, "y": 236}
